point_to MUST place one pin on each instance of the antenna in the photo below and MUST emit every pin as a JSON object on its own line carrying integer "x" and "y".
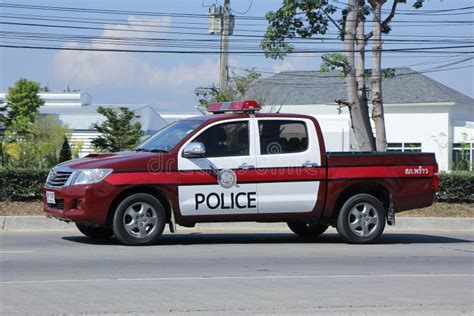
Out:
{"x": 280, "y": 108}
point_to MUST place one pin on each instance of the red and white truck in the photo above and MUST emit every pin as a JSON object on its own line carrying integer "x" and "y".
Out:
{"x": 239, "y": 165}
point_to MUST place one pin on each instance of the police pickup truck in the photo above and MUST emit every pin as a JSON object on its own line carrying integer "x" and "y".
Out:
{"x": 239, "y": 165}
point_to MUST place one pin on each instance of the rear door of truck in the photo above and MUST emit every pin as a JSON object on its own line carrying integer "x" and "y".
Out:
{"x": 289, "y": 169}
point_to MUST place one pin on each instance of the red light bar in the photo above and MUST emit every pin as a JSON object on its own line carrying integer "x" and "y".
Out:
{"x": 234, "y": 106}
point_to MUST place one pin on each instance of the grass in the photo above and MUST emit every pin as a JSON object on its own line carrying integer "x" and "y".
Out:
{"x": 436, "y": 210}
{"x": 442, "y": 210}
{"x": 21, "y": 208}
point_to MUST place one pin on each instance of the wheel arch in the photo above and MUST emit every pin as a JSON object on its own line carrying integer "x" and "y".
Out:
{"x": 153, "y": 191}
{"x": 377, "y": 190}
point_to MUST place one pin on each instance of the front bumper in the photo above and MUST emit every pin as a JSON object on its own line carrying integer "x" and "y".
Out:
{"x": 81, "y": 203}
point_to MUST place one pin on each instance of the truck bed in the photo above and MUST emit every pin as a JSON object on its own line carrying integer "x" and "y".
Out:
{"x": 408, "y": 177}
{"x": 370, "y": 158}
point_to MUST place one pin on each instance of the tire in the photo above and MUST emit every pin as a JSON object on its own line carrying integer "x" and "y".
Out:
{"x": 307, "y": 230}
{"x": 139, "y": 220}
{"x": 361, "y": 219}
{"x": 95, "y": 231}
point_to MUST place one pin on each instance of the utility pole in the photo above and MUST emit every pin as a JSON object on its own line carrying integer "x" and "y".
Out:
{"x": 224, "y": 53}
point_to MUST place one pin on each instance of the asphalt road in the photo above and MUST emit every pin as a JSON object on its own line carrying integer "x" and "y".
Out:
{"x": 216, "y": 273}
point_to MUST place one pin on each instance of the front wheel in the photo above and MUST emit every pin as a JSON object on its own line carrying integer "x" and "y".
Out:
{"x": 361, "y": 219}
{"x": 139, "y": 220}
{"x": 309, "y": 230}
{"x": 95, "y": 231}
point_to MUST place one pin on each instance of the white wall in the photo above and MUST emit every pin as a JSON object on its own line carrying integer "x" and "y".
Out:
{"x": 428, "y": 125}
{"x": 71, "y": 99}
{"x": 85, "y": 137}
{"x": 462, "y": 119}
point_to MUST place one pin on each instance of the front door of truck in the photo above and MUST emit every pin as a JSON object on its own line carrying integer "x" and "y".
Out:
{"x": 288, "y": 165}
{"x": 221, "y": 181}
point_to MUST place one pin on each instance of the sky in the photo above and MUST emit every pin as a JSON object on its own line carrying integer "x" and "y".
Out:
{"x": 168, "y": 80}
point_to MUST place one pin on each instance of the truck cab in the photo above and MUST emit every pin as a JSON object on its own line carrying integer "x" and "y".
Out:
{"x": 238, "y": 165}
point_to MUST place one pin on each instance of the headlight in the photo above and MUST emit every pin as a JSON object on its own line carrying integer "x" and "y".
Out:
{"x": 88, "y": 176}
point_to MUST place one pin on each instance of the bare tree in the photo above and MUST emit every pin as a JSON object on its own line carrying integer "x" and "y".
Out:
{"x": 305, "y": 18}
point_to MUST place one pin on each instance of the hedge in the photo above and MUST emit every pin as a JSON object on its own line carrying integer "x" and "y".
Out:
{"x": 27, "y": 185}
{"x": 456, "y": 188}
{"x": 22, "y": 184}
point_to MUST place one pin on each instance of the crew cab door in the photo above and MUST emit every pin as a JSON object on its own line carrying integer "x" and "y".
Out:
{"x": 222, "y": 181}
{"x": 288, "y": 165}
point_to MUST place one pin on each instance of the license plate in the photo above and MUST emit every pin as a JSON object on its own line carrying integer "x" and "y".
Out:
{"x": 50, "y": 198}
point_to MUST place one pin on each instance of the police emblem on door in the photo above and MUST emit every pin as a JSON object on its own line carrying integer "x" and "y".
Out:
{"x": 226, "y": 178}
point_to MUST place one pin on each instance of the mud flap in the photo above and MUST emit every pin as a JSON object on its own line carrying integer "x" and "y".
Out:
{"x": 391, "y": 215}
{"x": 172, "y": 222}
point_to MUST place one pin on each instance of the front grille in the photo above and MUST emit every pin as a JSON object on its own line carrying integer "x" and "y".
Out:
{"x": 58, "y": 206}
{"x": 58, "y": 178}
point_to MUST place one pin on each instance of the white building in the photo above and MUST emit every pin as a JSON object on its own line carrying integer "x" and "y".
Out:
{"x": 421, "y": 114}
{"x": 78, "y": 113}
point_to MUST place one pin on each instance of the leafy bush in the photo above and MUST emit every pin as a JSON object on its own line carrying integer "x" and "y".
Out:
{"x": 456, "y": 188}
{"x": 22, "y": 184}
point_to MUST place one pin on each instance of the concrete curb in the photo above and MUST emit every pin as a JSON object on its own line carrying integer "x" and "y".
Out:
{"x": 35, "y": 223}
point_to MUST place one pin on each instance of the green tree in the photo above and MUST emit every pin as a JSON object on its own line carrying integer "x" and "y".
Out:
{"x": 118, "y": 132}
{"x": 76, "y": 149}
{"x": 3, "y": 109}
{"x": 68, "y": 89}
{"x": 65, "y": 153}
{"x": 45, "y": 89}
{"x": 39, "y": 147}
{"x": 23, "y": 105}
{"x": 305, "y": 18}
{"x": 237, "y": 88}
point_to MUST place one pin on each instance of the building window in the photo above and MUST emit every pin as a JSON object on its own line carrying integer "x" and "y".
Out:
{"x": 463, "y": 156}
{"x": 404, "y": 147}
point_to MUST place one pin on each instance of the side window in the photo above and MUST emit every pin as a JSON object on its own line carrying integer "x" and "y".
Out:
{"x": 227, "y": 139}
{"x": 282, "y": 137}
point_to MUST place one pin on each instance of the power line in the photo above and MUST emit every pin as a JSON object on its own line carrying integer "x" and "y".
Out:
{"x": 433, "y": 49}
{"x": 270, "y": 81}
{"x": 170, "y": 14}
{"x": 422, "y": 11}
{"x": 325, "y": 75}
{"x": 239, "y": 41}
{"x": 92, "y": 28}
{"x": 246, "y": 11}
{"x": 145, "y": 23}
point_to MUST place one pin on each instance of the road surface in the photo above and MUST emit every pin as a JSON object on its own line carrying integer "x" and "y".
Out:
{"x": 212, "y": 272}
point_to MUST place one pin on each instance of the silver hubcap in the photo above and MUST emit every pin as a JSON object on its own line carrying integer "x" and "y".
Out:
{"x": 363, "y": 219}
{"x": 140, "y": 220}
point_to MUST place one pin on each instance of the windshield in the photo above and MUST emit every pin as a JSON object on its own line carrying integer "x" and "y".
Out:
{"x": 167, "y": 138}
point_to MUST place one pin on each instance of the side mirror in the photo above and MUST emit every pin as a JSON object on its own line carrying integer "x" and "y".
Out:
{"x": 194, "y": 150}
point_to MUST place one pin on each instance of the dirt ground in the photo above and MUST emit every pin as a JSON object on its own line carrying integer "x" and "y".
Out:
{"x": 436, "y": 210}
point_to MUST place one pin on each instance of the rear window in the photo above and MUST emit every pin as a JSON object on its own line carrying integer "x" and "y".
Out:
{"x": 282, "y": 137}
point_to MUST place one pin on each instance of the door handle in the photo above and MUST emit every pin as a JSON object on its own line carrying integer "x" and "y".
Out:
{"x": 246, "y": 166}
{"x": 309, "y": 164}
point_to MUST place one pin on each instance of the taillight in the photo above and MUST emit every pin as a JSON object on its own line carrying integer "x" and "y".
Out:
{"x": 435, "y": 179}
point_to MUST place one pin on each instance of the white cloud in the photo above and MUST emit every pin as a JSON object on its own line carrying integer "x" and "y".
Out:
{"x": 136, "y": 28}
{"x": 298, "y": 62}
{"x": 92, "y": 68}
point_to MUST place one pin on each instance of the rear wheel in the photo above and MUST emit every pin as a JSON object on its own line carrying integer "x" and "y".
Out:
{"x": 307, "y": 229}
{"x": 139, "y": 220}
{"x": 361, "y": 219}
{"x": 95, "y": 231}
